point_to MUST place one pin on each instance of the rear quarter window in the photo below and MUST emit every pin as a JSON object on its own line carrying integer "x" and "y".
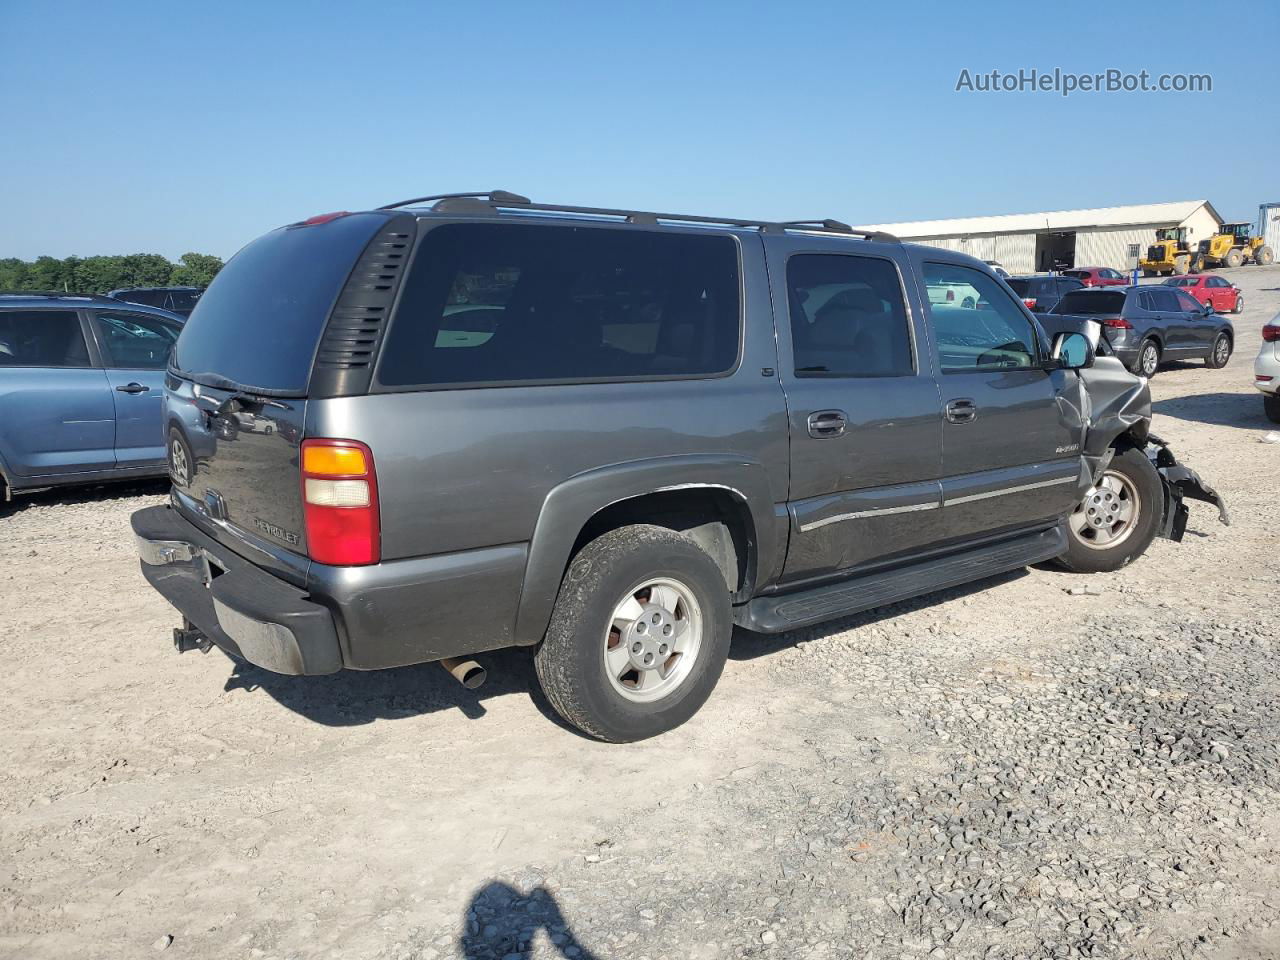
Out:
{"x": 522, "y": 303}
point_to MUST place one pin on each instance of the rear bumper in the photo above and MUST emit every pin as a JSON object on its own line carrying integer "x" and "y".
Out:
{"x": 239, "y": 606}
{"x": 391, "y": 614}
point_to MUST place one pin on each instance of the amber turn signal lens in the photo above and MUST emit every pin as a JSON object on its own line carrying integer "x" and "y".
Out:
{"x": 329, "y": 461}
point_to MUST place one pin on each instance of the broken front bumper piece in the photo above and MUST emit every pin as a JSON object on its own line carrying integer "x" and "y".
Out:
{"x": 1180, "y": 482}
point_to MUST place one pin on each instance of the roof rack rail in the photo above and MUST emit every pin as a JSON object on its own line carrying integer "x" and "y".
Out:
{"x": 56, "y": 293}
{"x": 504, "y": 199}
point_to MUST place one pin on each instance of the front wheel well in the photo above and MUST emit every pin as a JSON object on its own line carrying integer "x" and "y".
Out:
{"x": 715, "y": 518}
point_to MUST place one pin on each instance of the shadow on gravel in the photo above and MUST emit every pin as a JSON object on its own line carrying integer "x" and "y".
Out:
{"x": 354, "y": 697}
{"x": 1243, "y": 410}
{"x": 501, "y": 922}
{"x": 748, "y": 646}
{"x": 60, "y": 496}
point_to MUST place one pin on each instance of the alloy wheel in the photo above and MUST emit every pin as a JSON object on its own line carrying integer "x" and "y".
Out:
{"x": 1108, "y": 514}
{"x": 652, "y": 640}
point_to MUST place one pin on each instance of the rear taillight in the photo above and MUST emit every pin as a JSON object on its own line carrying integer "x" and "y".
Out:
{"x": 340, "y": 502}
{"x": 1271, "y": 332}
{"x": 1116, "y": 323}
{"x": 1030, "y": 302}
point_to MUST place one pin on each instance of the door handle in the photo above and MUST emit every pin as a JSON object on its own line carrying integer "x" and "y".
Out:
{"x": 962, "y": 410}
{"x": 134, "y": 387}
{"x": 825, "y": 424}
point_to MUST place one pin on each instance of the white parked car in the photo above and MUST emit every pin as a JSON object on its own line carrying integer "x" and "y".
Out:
{"x": 1266, "y": 369}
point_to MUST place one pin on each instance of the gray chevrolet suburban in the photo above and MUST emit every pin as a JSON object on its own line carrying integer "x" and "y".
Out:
{"x": 410, "y": 435}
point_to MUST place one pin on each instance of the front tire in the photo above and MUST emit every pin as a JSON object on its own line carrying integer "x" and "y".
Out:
{"x": 1220, "y": 353}
{"x": 1263, "y": 256}
{"x": 1233, "y": 258}
{"x": 1118, "y": 519}
{"x": 639, "y": 634}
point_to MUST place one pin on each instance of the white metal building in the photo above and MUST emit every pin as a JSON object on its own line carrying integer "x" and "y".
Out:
{"x": 1037, "y": 242}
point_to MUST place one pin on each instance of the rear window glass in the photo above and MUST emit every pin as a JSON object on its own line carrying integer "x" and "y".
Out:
{"x": 261, "y": 319}
{"x": 1087, "y": 303}
{"x": 1182, "y": 281}
{"x": 510, "y": 303}
{"x": 42, "y": 338}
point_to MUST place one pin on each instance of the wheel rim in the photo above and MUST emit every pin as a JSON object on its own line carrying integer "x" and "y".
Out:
{"x": 1239, "y": 304}
{"x": 1150, "y": 359}
{"x": 653, "y": 640}
{"x": 1221, "y": 352}
{"x": 179, "y": 466}
{"x": 1108, "y": 514}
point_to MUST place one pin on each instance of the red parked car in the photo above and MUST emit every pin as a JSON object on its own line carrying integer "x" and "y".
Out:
{"x": 1098, "y": 276}
{"x": 1209, "y": 288}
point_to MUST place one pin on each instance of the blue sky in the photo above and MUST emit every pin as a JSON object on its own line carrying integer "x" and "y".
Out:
{"x": 169, "y": 127}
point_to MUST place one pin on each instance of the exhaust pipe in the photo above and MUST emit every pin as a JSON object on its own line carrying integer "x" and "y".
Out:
{"x": 467, "y": 672}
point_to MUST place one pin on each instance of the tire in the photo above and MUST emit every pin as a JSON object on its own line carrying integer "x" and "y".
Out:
{"x": 1271, "y": 406}
{"x": 1234, "y": 257}
{"x": 1182, "y": 264}
{"x": 586, "y": 665}
{"x": 1220, "y": 352}
{"x": 179, "y": 459}
{"x": 1130, "y": 479}
{"x": 1264, "y": 257}
{"x": 1239, "y": 307}
{"x": 1148, "y": 359}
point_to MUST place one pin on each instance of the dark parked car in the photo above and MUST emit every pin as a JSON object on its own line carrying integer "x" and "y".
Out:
{"x": 1040, "y": 293}
{"x": 179, "y": 300}
{"x": 642, "y": 430}
{"x": 81, "y": 383}
{"x": 1147, "y": 325}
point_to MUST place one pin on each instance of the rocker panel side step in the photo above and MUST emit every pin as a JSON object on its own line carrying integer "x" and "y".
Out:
{"x": 777, "y": 614}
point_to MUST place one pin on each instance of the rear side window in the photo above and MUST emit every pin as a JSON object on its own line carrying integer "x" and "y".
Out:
{"x": 1164, "y": 300}
{"x": 848, "y": 317}
{"x": 42, "y": 338}
{"x": 261, "y": 319}
{"x": 517, "y": 303}
{"x": 1085, "y": 303}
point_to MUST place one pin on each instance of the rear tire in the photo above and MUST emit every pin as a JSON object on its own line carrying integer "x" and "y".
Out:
{"x": 1220, "y": 352}
{"x": 1182, "y": 264}
{"x": 611, "y": 662}
{"x": 1117, "y": 521}
{"x": 1239, "y": 307}
{"x": 1271, "y": 405}
{"x": 1148, "y": 360}
{"x": 1234, "y": 257}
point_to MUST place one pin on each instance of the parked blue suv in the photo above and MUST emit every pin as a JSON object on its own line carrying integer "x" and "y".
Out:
{"x": 81, "y": 383}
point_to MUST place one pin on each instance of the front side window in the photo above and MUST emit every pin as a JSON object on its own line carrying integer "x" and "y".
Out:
{"x": 512, "y": 303}
{"x": 42, "y": 338}
{"x": 848, "y": 317}
{"x": 136, "y": 341}
{"x": 991, "y": 334}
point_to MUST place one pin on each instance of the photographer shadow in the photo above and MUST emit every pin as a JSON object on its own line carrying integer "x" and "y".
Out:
{"x": 501, "y": 921}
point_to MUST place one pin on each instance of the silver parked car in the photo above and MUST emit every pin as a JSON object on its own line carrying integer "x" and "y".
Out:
{"x": 1266, "y": 369}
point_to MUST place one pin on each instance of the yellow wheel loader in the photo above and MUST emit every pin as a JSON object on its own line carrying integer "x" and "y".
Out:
{"x": 1233, "y": 245}
{"x": 1170, "y": 253}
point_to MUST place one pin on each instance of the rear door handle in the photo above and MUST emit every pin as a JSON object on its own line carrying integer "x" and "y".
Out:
{"x": 134, "y": 387}
{"x": 962, "y": 410}
{"x": 825, "y": 424}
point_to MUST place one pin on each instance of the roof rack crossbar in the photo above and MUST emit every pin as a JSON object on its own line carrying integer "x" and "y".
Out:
{"x": 500, "y": 199}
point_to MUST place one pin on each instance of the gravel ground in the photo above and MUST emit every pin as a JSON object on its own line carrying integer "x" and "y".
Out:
{"x": 1005, "y": 770}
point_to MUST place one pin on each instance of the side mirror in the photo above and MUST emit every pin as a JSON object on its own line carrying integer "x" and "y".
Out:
{"x": 1072, "y": 351}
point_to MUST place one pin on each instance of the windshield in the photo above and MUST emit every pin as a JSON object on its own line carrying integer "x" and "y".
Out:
{"x": 1087, "y": 303}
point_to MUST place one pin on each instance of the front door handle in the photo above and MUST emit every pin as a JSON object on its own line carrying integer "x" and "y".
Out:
{"x": 962, "y": 410}
{"x": 825, "y": 424}
{"x": 134, "y": 387}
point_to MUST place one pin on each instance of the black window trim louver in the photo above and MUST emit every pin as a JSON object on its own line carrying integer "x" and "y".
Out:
{"x": 346, "y": 354}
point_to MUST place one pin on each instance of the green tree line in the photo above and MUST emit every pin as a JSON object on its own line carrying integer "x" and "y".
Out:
{"x": 101, "y": 274}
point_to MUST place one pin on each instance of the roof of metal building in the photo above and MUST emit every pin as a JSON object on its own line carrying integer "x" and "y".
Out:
{"x": 1055, "y": 220}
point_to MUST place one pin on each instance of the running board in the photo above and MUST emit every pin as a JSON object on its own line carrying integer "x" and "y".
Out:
{"x": 779, "y": 613}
